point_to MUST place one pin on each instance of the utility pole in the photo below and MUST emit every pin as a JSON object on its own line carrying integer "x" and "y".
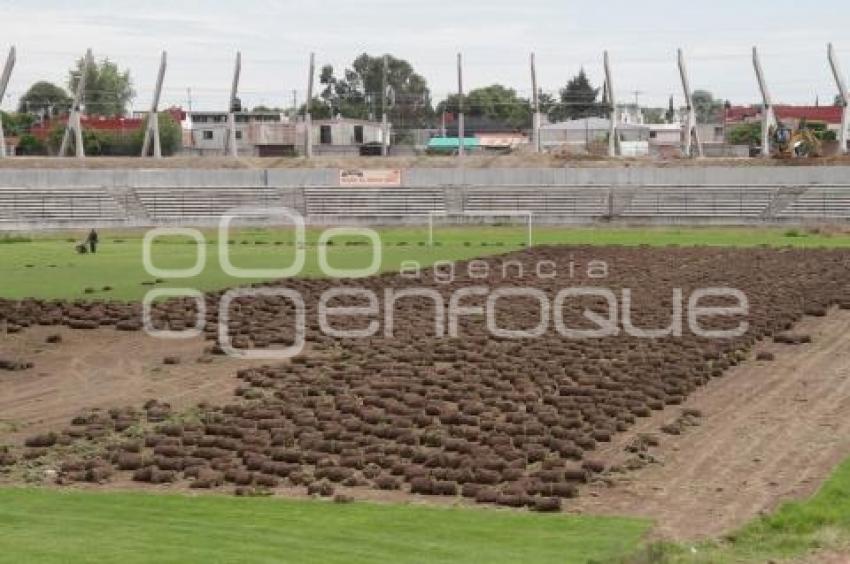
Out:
{"x": 74, "y": 123}
{"x": 692, "y": 133}
{"x": 308, "y": 120}
{"x": 231, "y": 115}
{"x": 535, "y": 106}
{"x": 460, "y": 131}
{"x": 637, "y": 94}
{"x": 294, "y": 105}
{"x": 152, "y": 130}
{"x": 4, "y": 82}
{"x": 843, "y": 96}
{"x": 385, "y": 130}
{"x": 768, "y": 117}
{"x": 612, "y": 132}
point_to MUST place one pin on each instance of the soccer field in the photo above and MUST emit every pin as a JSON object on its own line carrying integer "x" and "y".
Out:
{"x": 79, "y": 525}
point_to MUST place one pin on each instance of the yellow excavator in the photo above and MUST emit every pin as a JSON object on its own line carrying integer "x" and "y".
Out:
{"x": 800, "y": 143}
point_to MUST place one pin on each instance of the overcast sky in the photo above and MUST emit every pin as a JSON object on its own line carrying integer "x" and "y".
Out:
{"x": 496, "y": 37}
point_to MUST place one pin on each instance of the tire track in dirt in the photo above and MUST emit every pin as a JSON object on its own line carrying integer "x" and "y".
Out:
{"x": 771, "y": 432}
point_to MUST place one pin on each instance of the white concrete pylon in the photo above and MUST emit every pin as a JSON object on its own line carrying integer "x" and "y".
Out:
{"x": 535, "y": 107}
{"x": 308, "y": 118}
{"x": 461, "y": 149}
{"x": 74, "y": 121}
{"x": 768, "y": 117}
{"x": 843, "y": 97}
{"x": 691, "y": 132}
{"x": 152, "y": 129}
{"x": 613, "y": 142}
{"x": 233, "y": 149}
{"x": 4, "y": 82}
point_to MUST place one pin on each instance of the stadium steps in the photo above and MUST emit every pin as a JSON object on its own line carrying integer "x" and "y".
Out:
{"x": 699, "y": 202}
{"x": 380, "y": 202}
{"x": 539, "y": 201}
{"x": 831, "y": 202}
{"x": 73, "y": 205}
{"x": 172, "y": 204}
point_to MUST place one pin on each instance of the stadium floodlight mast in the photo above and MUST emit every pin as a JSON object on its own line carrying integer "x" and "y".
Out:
{"x": 460, "y": 124}
{"x": 613, "y": 142}
{"x": 843, "y": 97}
{"x": 152, "y": 129}
{"x": 74, "y": 123}
{"x": 231, "y": 115}
{"x": 385, "y": 126}
{"x": 308, "y": 108}
{"x": 768, "y": 118}
{"x": 691, "y": 133}
{"x": 535, "y": 107}
{"x": 4, "y": 82}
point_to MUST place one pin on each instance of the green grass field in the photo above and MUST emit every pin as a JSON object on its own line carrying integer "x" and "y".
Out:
{"x": 48, "y": 267}
{"x": 49, "y": 526}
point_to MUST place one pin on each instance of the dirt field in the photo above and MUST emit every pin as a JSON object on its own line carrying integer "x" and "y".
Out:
{"x": 771, "y": 432}
{"x": 424, "y": 161}
{"x": 102, "y": 368}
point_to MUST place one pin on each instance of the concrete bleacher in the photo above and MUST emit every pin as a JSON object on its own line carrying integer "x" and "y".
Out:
{"x": 829, "y": 202}
{"x": 202, "y": 203}
{"x": 590, "y": 202}
{"x": 697, "y": 202}
{"x": 84, "y": 206}
{"x": 378, "y": 202}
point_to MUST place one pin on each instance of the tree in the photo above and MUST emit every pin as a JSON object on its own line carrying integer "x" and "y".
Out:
{"x": 547, "y": 102}
{"x": 578, "y": 100}
{"x": 45, "y": 99}
{"x": 745, "y": 134}
{"x": 358, "y": 92}
{"x": 31, "y": 145}
{"x": 495, "y": 102}
{"x": 708, "y": 109}
{"x": 653, "y": 115}
{"x": 108, "y": 90}
{"x": 17, "y": 123}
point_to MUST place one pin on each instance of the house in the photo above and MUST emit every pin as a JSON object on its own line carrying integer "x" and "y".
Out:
{"x": 257, "y": 133}
{"x": 272, "y": 134}
{"x": 581, "y": 135}
{"x": 665, "y": 134}
{"x": 791, "y": 116}
{"x": 342, "y": 136}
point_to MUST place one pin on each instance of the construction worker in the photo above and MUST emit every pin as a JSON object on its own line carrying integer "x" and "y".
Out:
{"x": 92, "y": 241}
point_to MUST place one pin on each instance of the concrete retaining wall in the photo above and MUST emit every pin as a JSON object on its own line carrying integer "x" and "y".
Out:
{"x": 431, "y": 177}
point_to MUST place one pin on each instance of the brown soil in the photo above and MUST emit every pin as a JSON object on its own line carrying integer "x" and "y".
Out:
{"x": 771, "y": 432}
{"x": 477, "y": 161}
{"x": 101, "y": 368}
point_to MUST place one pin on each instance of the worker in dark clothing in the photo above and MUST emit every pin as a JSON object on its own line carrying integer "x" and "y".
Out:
{"x": 92, "y": 241}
